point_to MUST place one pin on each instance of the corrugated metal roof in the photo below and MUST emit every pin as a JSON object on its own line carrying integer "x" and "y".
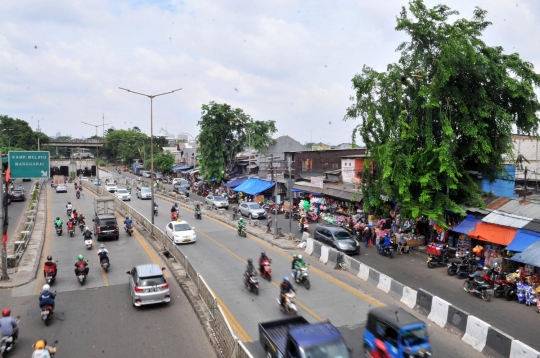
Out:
{"x": 505, "y": 219}
{"x": 533, "y": 226}
{"x": 497, "y": 203}
{"x": 517, "y": 207}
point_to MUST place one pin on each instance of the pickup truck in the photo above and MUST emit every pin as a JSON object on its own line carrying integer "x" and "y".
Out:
{"x": 105, "y": 224}
{"x": 296, "y": 337}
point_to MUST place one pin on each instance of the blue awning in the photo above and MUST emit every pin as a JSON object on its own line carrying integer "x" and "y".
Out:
{"x": 254, "y": 186}
{"x": 466, "y": 226}
{"x": 522, "y": 240}
{"x": 185, "y": 167}
{"x": 235, "y": 183}
{"x": 530, "y": 256}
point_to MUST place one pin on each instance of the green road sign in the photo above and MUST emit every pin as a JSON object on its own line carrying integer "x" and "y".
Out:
{"x": 26, "y": 164}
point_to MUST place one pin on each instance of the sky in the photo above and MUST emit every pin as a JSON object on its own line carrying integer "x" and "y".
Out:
{"x": 62, "y": 61}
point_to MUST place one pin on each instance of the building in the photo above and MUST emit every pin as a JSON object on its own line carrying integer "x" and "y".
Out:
{"x": 528, "y": 148}
{"x": 352, "y": 168}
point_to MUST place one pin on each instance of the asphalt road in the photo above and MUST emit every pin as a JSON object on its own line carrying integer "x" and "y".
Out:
{"x": 219, "y": 255}
{"x": 98, "y": 319}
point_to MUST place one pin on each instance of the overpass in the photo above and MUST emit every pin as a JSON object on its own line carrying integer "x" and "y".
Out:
{"x": 76, "y": 143}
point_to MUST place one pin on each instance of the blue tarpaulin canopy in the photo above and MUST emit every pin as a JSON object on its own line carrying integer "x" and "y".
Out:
{"x": 185, "y": 167}
{"x": 467, "y": 225}
{"x": 235, "y": 183}
{"x": 254, "y": 186}
{"x": 522, "y": 240}
{"x": 529, "y": 256}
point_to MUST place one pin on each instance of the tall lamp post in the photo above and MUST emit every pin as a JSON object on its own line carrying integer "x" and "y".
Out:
{"x": 3, "y": 222}
{"x": 97, "y": 150}
{"x": 249, "y": 143}
{"x": 151, "y": 142}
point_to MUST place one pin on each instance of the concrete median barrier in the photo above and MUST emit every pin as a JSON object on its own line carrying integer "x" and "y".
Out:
{"x": 521, "y": 350}
{"x": 373, "y": 277}
{"x": 384, "y": 283}
{"x": 423, "y": 302}
{"x": 396, "y": 289}
{"x": 354, "y": 267}
{"x": 409, "y": 297}
{"x": 498, "y": 344}
{"x": 325, "y": 251}
{"x": 317, "y": 246}
{"x": 334, "y": 257}
{"x": 309, "y": 246}
{"x": 476, "y": 333}
{"x": 364, "y": 272}
{"x": 439, "y": 311}
{"x": 457, "y": 321}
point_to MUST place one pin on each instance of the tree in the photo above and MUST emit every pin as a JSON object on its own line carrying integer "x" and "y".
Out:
{"x": 261, "y": 134}
{"x": 164, "y": 161}
{"x": 124, "y": 145}
{"x": 136, "y": 129}
{"x": 445, "y": 109}
{"x": 17, "y": 134}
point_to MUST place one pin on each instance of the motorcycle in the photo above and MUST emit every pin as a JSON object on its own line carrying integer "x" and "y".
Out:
{"x": 312, "y": 217}
{"x": 49, "y": 271}
{"x": 59, "y": 230}
{"x": 47, "y": 314}
{"x": 81, "y": 227}
{"x": 105, "y": 265}
{"x": 78, "y": 194}
{"x": 68, "y": 212}
{"x": 89, "y": 243}
{"x": 303, "y": 227}
{"x": 461, "y": 269}
{"x": 129, "y": 230}
{"x": 81, "y": 277}
{"x": 289, "y": 305}
{"x": 155, "y": 210}
{"x": 267, "y": 270}
{"x": 440, "y": 260}
{"x": 7, "y": 343}
{"x": 483, "y": 289}
{"x": 387, "y": 251}
{"x": 174, "y": 215}
{"x": 198, "y": 215}
{"x": 242, "y": 231}
{"x": 71, "y": 231}
{"x": 252, "y": 283}
{"x": 303, "y": 277}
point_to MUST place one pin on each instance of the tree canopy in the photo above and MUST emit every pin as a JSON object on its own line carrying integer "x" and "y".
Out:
{"x": 16, "y": 134}
{"x": 126, "y": 145}
{"x": 444, "y": 111}
{"x": 224, "y": 133}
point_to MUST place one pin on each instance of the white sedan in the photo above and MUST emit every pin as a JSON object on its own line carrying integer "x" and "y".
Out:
{"x": 180, "y": 232}
{"x": 111, "y": 187}
{"x": 61, "y": 188}
{"x": 217, "y": 201}
{"x": 123, "y": 194}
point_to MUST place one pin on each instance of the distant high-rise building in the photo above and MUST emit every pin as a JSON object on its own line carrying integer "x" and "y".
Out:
{"x": 182, "y": 137}
{"x": 58, "y": 134}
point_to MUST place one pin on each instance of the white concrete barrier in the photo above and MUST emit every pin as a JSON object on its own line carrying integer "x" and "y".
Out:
{"x": 439, "y": 312}
{"x": 325, "y": 250}
{"x": 309, "y": 246}
{"x": 384, "y": 283}
{"x": 364, "y": 272}
{"x": 521, "y": 350}
{"x": 409, "y": 297}
{"x": 476, "y": 333}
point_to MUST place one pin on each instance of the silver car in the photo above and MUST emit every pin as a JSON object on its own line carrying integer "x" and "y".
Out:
{"x": 147, "y": 285}
{"x": 252, "y": 210}
{"x": 217, "y": 201}
{"x": 123, "y": 194}
{"x": 144, "y": 193}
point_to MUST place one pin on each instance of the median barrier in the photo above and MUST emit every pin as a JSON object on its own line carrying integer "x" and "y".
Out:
{"x": 396, "y": 289}
{"x": 309, "y": 246}
{"x": 325, "y": 251}
{"x": 317, "y": 246}
{"x": 423, "y": 302}
{"x": 384, "y": 283}
{"x": 373, "y": 277}
{"x": 364, "y": 272}
{"x": 409, "y": 297}
{"x": 354, "y": 267}
{"x": 476, "y": 333}
{"x": 457, "y": 321}
{"x": 439, "y": 311}
{"x": 498, "y": 344}
{"x": 521, "y": 350}
{"x": 334, "y": 257}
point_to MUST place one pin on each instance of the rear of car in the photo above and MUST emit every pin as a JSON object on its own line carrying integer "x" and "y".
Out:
{"x": 18, "y": 195}
{"x": 106, "y": 226}
{"x": 111, "y": 187}
{"x": 217, "y": 201}
{"x": 145, "y": 193}
{"x": 61, "y": 188}
{"x": 123, "y": 194}
{"x": 148, "y": 285}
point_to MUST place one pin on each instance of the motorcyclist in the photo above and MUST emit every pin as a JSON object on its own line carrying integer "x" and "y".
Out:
{"x": 174, "y": 208}
{"x": 50, "y": 266}
{"x": 263, "y": 258}
{"x": 155, "y": 207}
{"x": 293, "y": 264}
{"x": 9, "y": 326}
{"x": 81, "y": 266}
{"x": 46, "y": 297}
{"x": 479, "y": 275}
{"x": 69, "y": 206}
{"x": 128, "y": 223}
{"x": 70, "y": 224}
{"x": 41, "y": 350}
{"x": 250, "y": 270}
{"x": 58, "y": 222}
{"x": 81, "y": 219}
{"x": 87, "y": 234}
{"x": 303, "y": 221}
{"x": 74, "y": 214}
{"x": 284, "y": 288}
{"x": 103, "y": 254}
{"x": 300, "y": 263}
{"x": 385, "y": 243}
{"x": 241, "y": 224}
{"x": 197, "y": 209}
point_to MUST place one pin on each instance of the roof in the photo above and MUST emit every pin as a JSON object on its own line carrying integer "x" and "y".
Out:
{"x": 497, "y": 203}
{"x": 393, "y": 315}
{"x": 306, "y": 189}
{"x": 530, "y": 256}
{"x": 466, "y": 226}
{"x": 354, "y": 156}
{"x": 254, "y": 186}
{"x": 505, "y": 219}
{"x": 523, "y": 239}
{"x": 235, "y": 183}
{"x": 345, "y": 194}
{"x": 518, "y": 207}
{"x": 149, "y": 270}
{"x": 534, "y": 225}
{"x": 332, "y": 227}
{"x": 496, "y": 234}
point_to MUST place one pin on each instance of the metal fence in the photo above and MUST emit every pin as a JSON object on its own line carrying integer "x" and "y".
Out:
{"x": 229, "y": 344}
{"x": 25, "y": 235}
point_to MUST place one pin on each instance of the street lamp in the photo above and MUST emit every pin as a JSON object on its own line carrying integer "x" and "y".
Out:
{"x": 151, "y": 142}
{"x": 3, "y": 215}
{"x": 97, "y": 156}
{"x": 249, "y": 143}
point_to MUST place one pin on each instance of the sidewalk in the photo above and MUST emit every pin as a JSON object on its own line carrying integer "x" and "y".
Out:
{"x": 29, "y": 264}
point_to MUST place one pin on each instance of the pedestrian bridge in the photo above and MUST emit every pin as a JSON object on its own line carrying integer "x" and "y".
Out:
{"x": 77, "y": 143}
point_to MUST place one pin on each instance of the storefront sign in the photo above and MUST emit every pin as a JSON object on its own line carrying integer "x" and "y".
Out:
{"x": 317, "y": 182}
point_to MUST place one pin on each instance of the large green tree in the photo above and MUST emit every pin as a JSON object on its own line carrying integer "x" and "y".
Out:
{"x": 125, "y": 145}
{"x": 224, "y": 133}
{"x": 16, "y": 134}
{"x": 445, "y": 110}
{"x": 164, "y": 161}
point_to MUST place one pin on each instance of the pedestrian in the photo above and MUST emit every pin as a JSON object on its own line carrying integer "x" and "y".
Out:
{"x": 234, "y": 212}
{"x": 366, "y": 235}
{"x": 268, "y": 223}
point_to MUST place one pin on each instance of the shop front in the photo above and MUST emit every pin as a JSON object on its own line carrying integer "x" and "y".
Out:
{"x": 524, "y": 250}
{"x": 488, "y": 242}
{"x": 254, "y": 190}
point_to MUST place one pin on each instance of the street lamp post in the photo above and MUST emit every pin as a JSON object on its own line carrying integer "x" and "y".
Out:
{"x": 151, "y": 142}
{"x": 249, "y": 143}
{"x": 3, "y": 216}
{"x": 97, "y": 150}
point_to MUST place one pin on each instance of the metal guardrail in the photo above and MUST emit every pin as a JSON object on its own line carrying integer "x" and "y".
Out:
{"x": 230, "y": 345}
{"x": 29, "y": 226}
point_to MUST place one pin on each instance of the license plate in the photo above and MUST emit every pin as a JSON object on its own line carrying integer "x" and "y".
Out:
{"x": 187, "y": 240}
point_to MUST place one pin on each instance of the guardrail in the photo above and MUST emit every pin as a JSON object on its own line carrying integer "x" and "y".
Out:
{"x": 22, "y": 243}
{"x": 229, "y": 344}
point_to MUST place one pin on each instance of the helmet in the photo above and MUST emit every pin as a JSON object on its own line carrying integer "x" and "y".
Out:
{"x": 485, "y": 268}
{"x": 286, "y": 278}
{"x": 58, "y": 218}
{"x": 69, "y": 202}
{"x": 74, "y": 210}
{"x": 6, "y": 312}
{"x": 263, "y": 253}
{"x": 49, "y": 258}
{"x": 269, "y": 216}
{"x": 295, "y": 255}
{"x": 40, "y": 344}
{"x": 87, "y": 229}
{"x": 102, "y": 246}
{"x": 46, "y": 287}
{"x": 127, "y": 217}
{"x": 175, "y": 204}
{"x": 81, "y": 214}
{"x": 80, "y": 257}
{"x": 250, "y": 261}
{"x": 299, "y": 257}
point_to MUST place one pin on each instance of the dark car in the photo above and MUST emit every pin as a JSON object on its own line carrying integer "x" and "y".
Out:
{"x": 181, "y": 190}
{"x": 337, "y": 238}
{"x": 18, "y": 195}
{"x": 158, "y": 177}
{"x": 106, "y": 226}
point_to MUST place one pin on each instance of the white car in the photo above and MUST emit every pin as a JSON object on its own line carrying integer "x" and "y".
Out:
{"x": 144, "y": 193}
{"x": 123, "y": 194}
{"x": 180, "y": 232}
{"x": 61, "y": 188}
{"x": 84, "y": 178}
{"x": 146, "y": 174}
{"x": 111, "y": 187}
{"x": 217, "y": 201}
{"x": 180, "y": 181}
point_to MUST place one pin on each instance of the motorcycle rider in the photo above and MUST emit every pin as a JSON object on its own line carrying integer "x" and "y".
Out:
{"x": 241, "y": 224}
{"x": 103, "y": 254}
{"x": 87, "y": 234}
{"x": 293, "y": 264}
{"x": 41, "y": 350}
{"x": 48, "y": 266}
{"x": 70, "y": 224}
{"x": 250, "y": 270}
{"x": 74, "y": 214}
{"x": 174, "y": 208}
{"x": 385, "y": 243}
{"x": 303, "y": 221}
{"x": 46, "y": 297}
{"x": 155, "y": 206}
{"x": 58, "y": 223}
{"x": 263, "y": 258}
{"x": 81, "y": 266}
{"x": 284, "y": 288}
{"x": 81, "y": 219}
{"x": 300, "y": 263}
{"x": 197, "y": 209}
{"x": 9, "y": 326}
{"x": 128, "y": 223}
{"x": 478, "y": 276}
{"x": 69, "y": 206}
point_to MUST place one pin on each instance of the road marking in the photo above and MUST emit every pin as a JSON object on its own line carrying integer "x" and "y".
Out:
{"x": 46, "y": 246}
{"x": 240, "y": 331}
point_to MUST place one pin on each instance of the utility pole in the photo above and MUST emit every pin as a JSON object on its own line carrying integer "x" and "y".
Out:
{"x": 525, "y": 187}
{"x": 38, "y": 135}
{"x": 290, "y": 198}
{"x": 4, "y": 227}
{"x": 275, "y": 198}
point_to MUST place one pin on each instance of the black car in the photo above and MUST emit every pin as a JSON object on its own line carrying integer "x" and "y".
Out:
{"x": 106, "y": 226}
{"x": 337, "y": 238}
{"x": 181, "y": 190}
{"x": 18, "y": 195}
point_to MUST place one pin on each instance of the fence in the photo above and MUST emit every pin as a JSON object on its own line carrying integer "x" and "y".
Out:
{"x": 229, "y": 344}
{"x": 22, "y": 243}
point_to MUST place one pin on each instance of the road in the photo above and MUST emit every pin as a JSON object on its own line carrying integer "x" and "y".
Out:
{"x": 219, "y": 255}
{"x": 97, "y": 319}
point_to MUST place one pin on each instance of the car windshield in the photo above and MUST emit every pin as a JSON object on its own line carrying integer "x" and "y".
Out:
{"x": 151, "y": 281}
{"x": 342, "y": 235}
{"x": 334, "y": 349}
{"x": 182, "y": 227}
{"x": 254, "y": 206}
{"x": 111, "y": 184}
{"x": 414, "y": 337}
{"x": 122, "y": 191}
{"x": 145, "y": 190}
{"x": 218, "y": 198}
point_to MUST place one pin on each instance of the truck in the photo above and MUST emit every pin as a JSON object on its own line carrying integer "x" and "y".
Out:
{"x": 296, "y": 337}
{"x": 105, "y": 224}
{"x": 104, "y": 205}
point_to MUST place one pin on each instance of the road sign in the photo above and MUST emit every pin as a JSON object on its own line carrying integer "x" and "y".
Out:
{"x": 26, "y": 164}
